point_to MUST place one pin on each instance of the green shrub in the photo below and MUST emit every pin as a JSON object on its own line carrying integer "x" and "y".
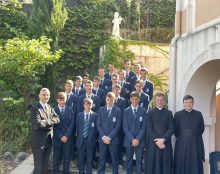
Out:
{"x": 14, "y": 126}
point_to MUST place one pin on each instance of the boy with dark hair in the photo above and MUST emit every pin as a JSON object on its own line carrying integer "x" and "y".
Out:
{"x": 62, "y": 135}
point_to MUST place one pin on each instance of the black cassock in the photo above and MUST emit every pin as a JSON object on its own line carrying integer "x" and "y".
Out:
{"x": 159, "y": 125}
{"x": 189, "y": 147}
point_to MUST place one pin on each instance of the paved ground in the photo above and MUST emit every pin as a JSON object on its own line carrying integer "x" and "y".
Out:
{"x": 27, "y": 166}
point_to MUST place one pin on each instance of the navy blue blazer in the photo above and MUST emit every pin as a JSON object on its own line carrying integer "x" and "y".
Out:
{"x": 72, "y": 102}
{"x": 65, "y": 127}
{"x": 96, "y": 103}
{"x": 108, "y": 76}
{"x": 81, "y": 92}
{"x": 104, "y": 84}
{"x": 134, "y": 127}
{"x": 109, "y": 89}
{"x": 101, "y": 94}
{"x": 126, "y": 90}
{"x": 128, "y": 78}
{"x": 121, "y": 103}
{"x": 91, "y": 141}
{"x": 109, "y": 125}
{"x": 133, "y": 80}
{"x": 144, "y": 100}
{"x": 149, "y": 88}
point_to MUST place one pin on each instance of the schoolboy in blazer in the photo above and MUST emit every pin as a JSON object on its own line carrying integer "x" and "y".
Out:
{"x": 62, "y": 135}
{"x": 86, "y": 137}
{"x": 134, "y": 125}
{"x": 108, "y": 124}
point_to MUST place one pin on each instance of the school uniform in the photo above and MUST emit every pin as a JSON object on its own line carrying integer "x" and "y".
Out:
{"x": 108, "y": 124}
{"x": 104, "y": 83}
{"x": 96, "y": 102}
{"x": 86, "y": 140}
{"x": 129, "y": 75}
{"x": 121, "y": 103}
{"x": 133, "y": 80}
{"x": 79, "y": 91}
{"x": 101, "y": 93}
{"x": 71, "y": 100}
{"x": 134, "y": 126}
{"x": 108, "y": 75}
{"x": 126, "y": 89}
{"x": 64, "y": 128}
{"x": 148, "y": 88}
{"x": 144, "y": 100}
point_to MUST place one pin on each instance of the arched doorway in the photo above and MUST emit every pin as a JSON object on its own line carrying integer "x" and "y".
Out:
{"x": 202, "y": 85}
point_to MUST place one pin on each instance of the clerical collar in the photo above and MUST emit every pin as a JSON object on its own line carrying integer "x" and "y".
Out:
{"x": 188, "y": 111}
{"x": 159, "y": 108}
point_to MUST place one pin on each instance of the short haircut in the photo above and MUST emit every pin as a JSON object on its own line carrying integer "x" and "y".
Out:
{"x": 70, "y": 82}
{"x": 138, "y": 81}
{"x": 85, "y": 75}
{"x": 110, "y": 95}
{"x": 45, "y": 90}
{"x": 78, "y": 78}
{"x": 88, "y": 101}
{"x": 101, "y": 68}
{"x": 138, "y": 65}
{"x": 188, "y": 97}
{"x": 115, "y": 75}
{"x": 117, "y": 86}
{"x": 89, "y": 82}
{"x": 61, "y": 95}
{"x": 111, "y": 64}
{"x": 122, "y": 71}
{"x": 160, "y": 94}
{"x": 96, "y": 78}
{"x": 127, "y": 60}
{"x": 144, "y": 69}
{"x": 134, "y": 94}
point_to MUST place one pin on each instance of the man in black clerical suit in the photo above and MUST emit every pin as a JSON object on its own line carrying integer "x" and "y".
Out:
{"x": 189, "y": 153}
{"x": 42, "y": 120}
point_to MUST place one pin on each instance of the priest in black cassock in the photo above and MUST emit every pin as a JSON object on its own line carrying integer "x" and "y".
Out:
{"x": 160, "y": 128}
{"x": 189, "y": 147}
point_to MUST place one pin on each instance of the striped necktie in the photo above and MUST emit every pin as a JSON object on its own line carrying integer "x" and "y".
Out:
{"x": 86, "y": 126}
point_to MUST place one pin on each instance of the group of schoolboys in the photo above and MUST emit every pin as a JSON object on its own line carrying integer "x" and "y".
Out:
{"x": 105, "y": 115}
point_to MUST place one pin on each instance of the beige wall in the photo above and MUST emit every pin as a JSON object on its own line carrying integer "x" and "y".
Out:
{"x": 180, "y": 23}
{"x": 217, "y": 125}
{"x": 206, "y": 10}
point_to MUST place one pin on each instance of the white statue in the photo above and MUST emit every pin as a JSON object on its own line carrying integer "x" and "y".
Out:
{"x": 116, "y": 22}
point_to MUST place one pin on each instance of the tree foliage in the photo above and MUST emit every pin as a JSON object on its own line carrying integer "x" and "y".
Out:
{"x": 12, "y": 17}
{"x": 86, "y": 30}
{"x": 22, "y": 61}
{"x": 115, "y": 52}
